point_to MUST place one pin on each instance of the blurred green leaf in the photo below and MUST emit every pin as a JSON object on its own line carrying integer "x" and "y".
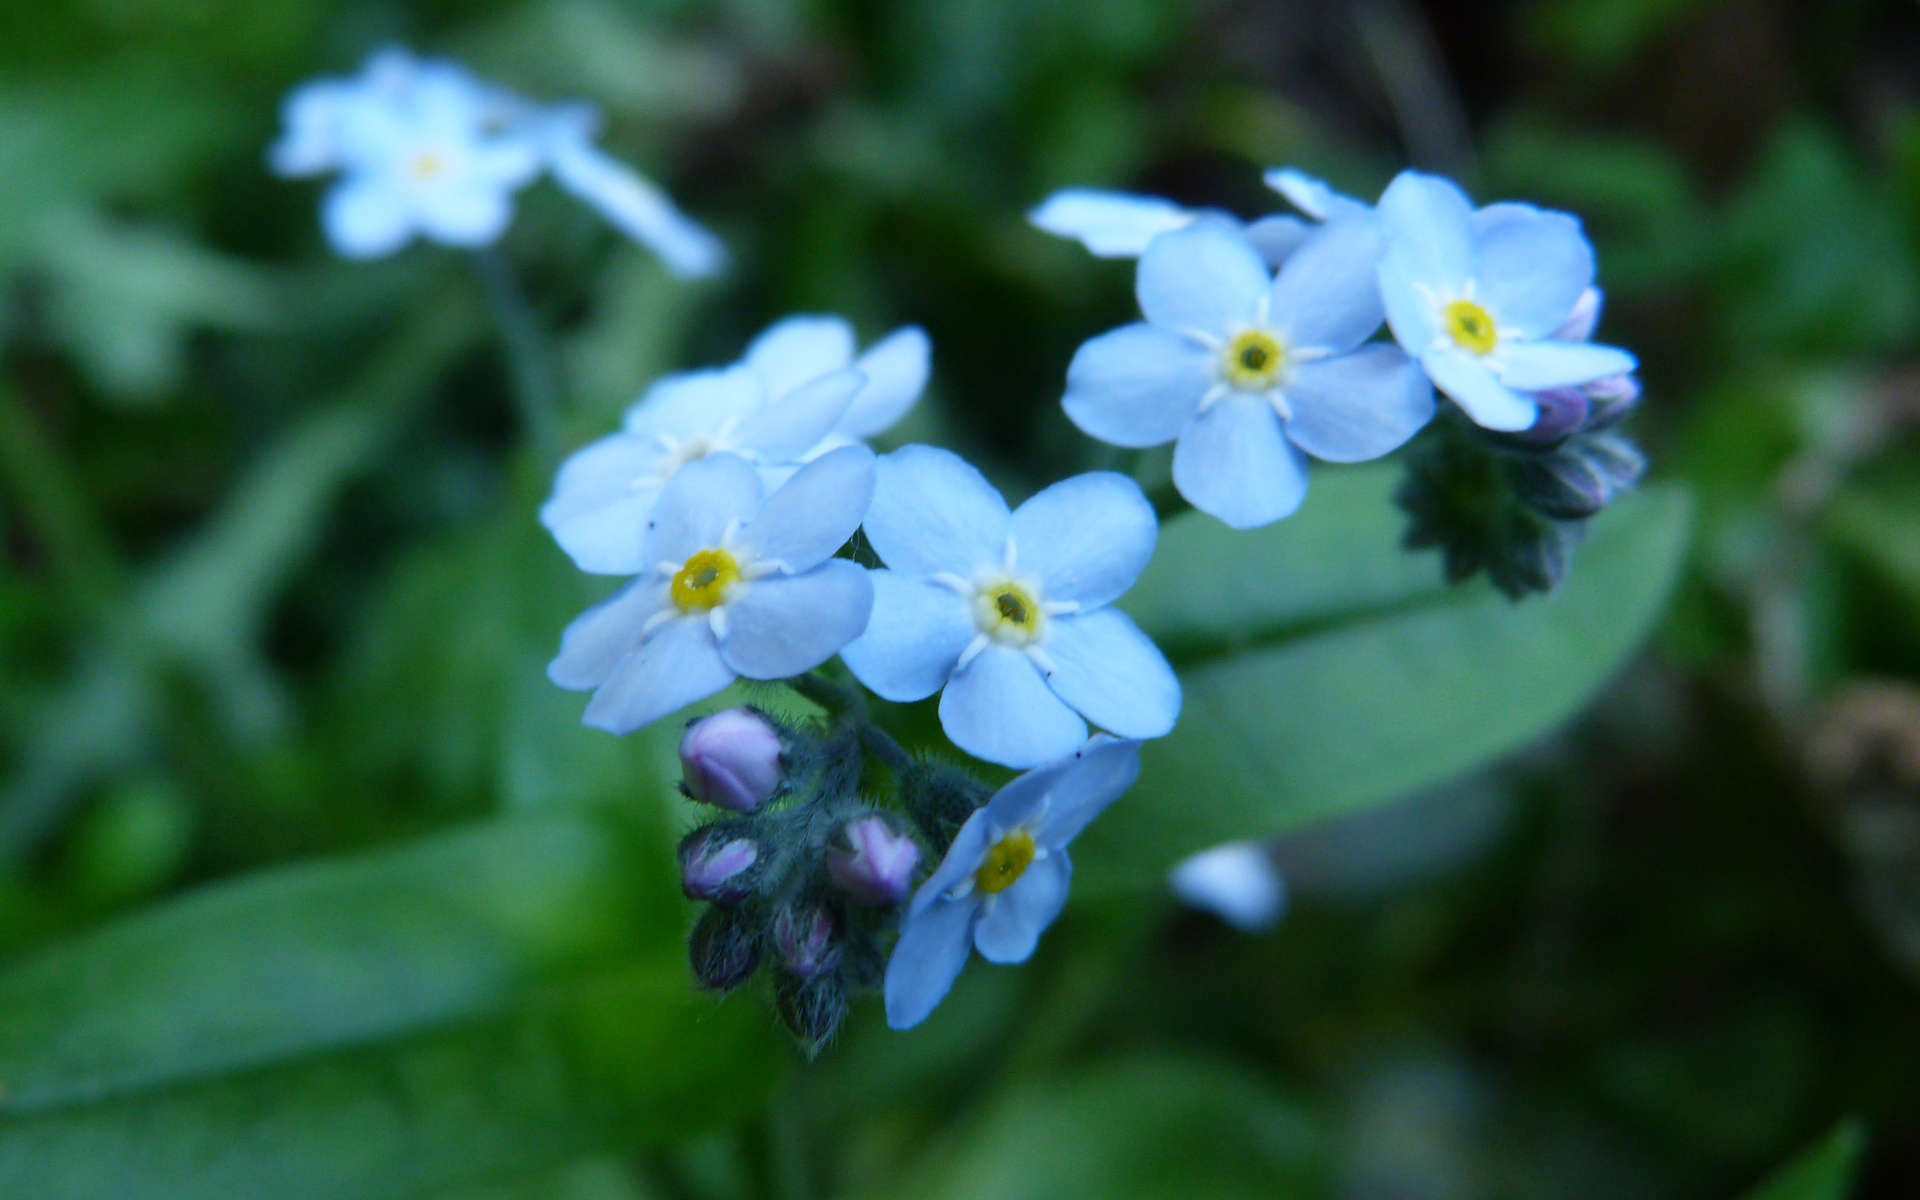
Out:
{"x": 1824, "y": 1172}
{"x": 1325, "y": 671}
{"x": 483, "y": 1004}
{"x": 1148, "y": 1126}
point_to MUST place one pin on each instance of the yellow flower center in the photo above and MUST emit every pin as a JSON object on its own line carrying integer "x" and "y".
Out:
{"x": 426, "y": 165}
{"x": 1005, "y": 863}
{"x": 703, "y": 581}
{"x": 1253, "y": 360}
{"x": 1008, "y": 613}
{"x": 1471, "y": 327}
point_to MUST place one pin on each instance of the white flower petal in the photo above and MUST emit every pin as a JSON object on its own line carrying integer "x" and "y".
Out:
{"x": 1533, "y": 268}
{"x": 896, "y": 369}
{"x": 698, "y": 504}
{"x": 1138, "y": 385}
{"x": 934, "y": 512}
{"x": 1532, "y": 366}
{"x": 1358, "y": 406}
{"x": 597, "y": 639}
{"x": 998, "y": 708}
{"x": 795, "y": 422}
{"x": 932, "y": 949}
{"x": 1234, "y": 462}
{"x": 1471, "y": 384}
{"x": 914, "y": 637}
{"x": 1237, "y": 882}
{"x": 815, "y": 512}
{"x": 365, "y": 217}
{"x": 1010, "y": 923}
{"x": 1327, "y": 294}
{"x": 1205, "y": 277}
{"x": 1111, "y": 224}
{"x": 1113, "y": 674}
{"x": 675, "y": 666}
{"x": 799, "y": 350}
{"x": 1085, "y": 539}
{"x": 636, "y": 207}
{"x": 785, "y": 624}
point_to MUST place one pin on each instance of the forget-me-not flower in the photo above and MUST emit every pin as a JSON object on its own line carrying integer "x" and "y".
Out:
{"x": 1009, "y": 612}
{"x": 605, "y": 492}
{"x": 1005, "y": 877}
{"x": 425, "y": 148}
{"x": 1250, "y": 371}
{"x": 741, "y": 584}
{"x": 1479, "y": 296}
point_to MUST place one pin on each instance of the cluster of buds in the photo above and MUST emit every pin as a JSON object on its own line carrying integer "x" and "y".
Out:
{"x": 802, "y": 875}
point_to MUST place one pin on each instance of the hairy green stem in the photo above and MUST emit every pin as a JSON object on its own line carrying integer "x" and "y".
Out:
{"x": 536, "y": 388}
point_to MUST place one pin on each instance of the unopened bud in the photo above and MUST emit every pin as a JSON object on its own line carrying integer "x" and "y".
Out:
{"x": 811, "y": 1009}
{"x": 717, "y": 864}
{"x": 876, "y": 866}
{"x": 803, "y": 937}
{"x": 724, "y": 949}
{"x": 731, "y": 760}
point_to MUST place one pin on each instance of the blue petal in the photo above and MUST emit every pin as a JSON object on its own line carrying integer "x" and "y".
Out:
{"x": 1237, "y": 882}
{"x": 1426, "y": 223}
{"x": 816, "y": 511}
{"x": 677, "y": 665}
{"x": 1098, "y": 775}
{"x": 1312, "y": 196}
{"x": 698, "y": 504}
{"x": 1327, "y": 294}
{"x": 1411, "y": 313}
{"x": 1084, "y": 539}
{"x": 785, "y": 624}
{"x": 474, "y": 212}
{"x": 636, "y": 207}
{"x": 1137, "y": 386}
{"x": 914, "y": 637}
{"x": 1277, "y": 237}
{"x": 800, "y": 350}
{"x": 1234, "y": 462}
{"x": 1113, "y": 674}
{"x": 998, "y": 708}
{"x": 1111, "y": 224}
{"x": 695, "y": 403}
{"x": 1010, "y": 924}
{"x": 933, "y": 512}
{"x": 1533, "y": 267}
{"x": 1473, "y": 387}
{"x": 1358, "y": 406}
{"x": 366, "y": 217}
{"x": 963, "y": 858}
{"x": 932, "y": 949}
{"x": 1532, "y": 366}
{"x": 1205, "y": 277}
{"x": 596, "y": 640}
{"x": 598, "y": 512}
{"x": 794, "y": 423}
{"x": 896, "y": 369}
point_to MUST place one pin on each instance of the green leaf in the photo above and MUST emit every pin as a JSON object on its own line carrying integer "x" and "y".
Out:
{"x": 1824, "y": 1172}
{"x": 484, "y": 1004}
{"x": 1326, "y": 670}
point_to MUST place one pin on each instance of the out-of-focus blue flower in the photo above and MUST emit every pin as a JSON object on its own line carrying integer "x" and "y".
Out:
{"x": 1313, "y": 197}
{"x": 1235, "y": 881}
{"x": 605, "y": 492}
{"x": 424, "y": 148}
{"x": 1005, "y": 878}
{"x": 742, "y": 584}
{"x": 1009, "y": 612}
{"x": 730, "y": 760}
{"x": 1478, "y": 298}
{"x": 1121, "y": 224}
{"x": 1250, "y": 371}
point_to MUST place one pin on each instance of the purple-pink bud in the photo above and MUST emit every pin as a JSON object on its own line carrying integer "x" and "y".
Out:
{"x": 731, "y": 760}
{"x": 876, "y": 866}
{"x": 718, "y": 866}
{"x": 803, "y": 938}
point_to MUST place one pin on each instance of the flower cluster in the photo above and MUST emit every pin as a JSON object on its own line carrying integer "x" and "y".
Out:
{"x": 1254, "y": 357}
{"x": 423, "y": 148}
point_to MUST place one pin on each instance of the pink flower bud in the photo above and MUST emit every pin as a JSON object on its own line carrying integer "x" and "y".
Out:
{"x": 803, "y": 938}
{"x": 731, "y": 760}
{"x": 716, "y": 865}
{"x": 877, "y": 865}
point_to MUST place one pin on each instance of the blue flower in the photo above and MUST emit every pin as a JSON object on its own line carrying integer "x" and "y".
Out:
{"x": 1005, "y": 877}
{"x": 1122, "y": 224}
{"x": 740, "y": 585}
{"x": 798, "y": 350}
{"x": 1251, "y": 372}
{"x": 606, "y": 491}
{"x": 1478, "y": 297}
{"x": 1008, "y": 612}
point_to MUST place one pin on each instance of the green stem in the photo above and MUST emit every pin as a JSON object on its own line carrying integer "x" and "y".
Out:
{"x": 536, "y": 388}
{"x": 882, "y": 746}
{"x": 835, "y": 698}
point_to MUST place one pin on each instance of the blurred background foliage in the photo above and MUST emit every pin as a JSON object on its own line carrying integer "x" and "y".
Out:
{"x": 312, "y": 885}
